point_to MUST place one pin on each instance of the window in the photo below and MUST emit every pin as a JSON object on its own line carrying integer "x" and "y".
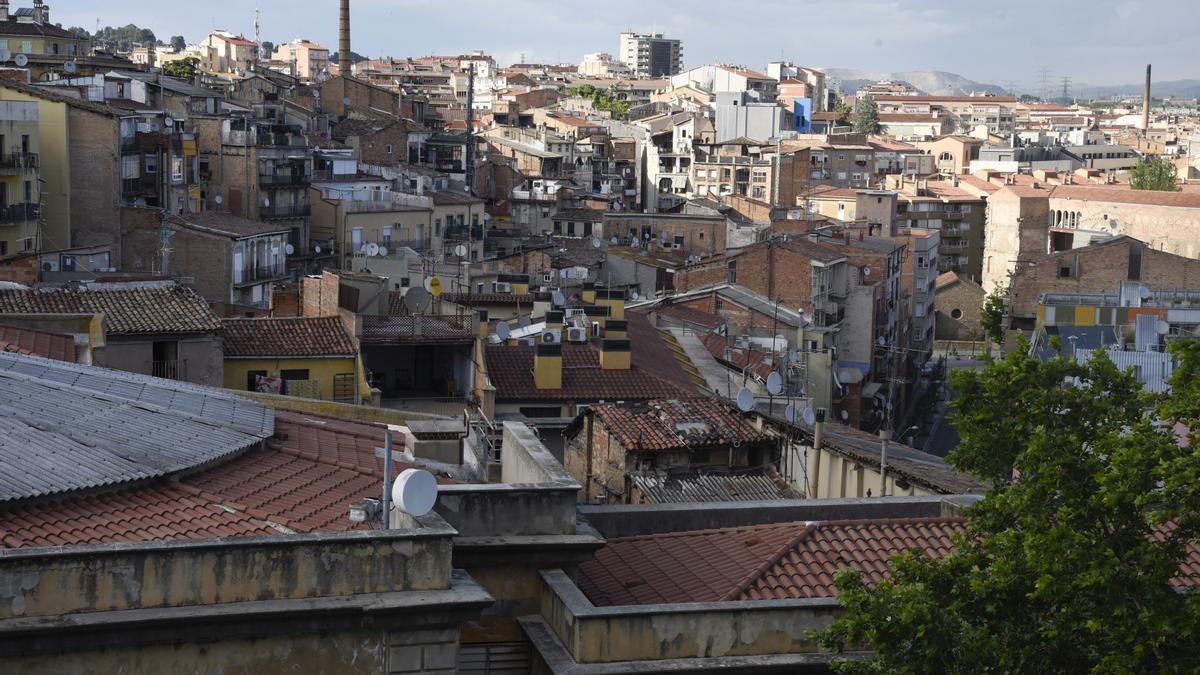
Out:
{"x": 389, "y": 148}
{"x": 53, "y": 47}
{"x": 956, "y": 313}
{"x": 701, "y": 235}
{"x": 25, "y": 144}
{"x": 1064, "y": 272}
{"x": 28, "y": 193}
{"x": 295, "y": 374}
{"x": 252, "y": 378}
{"x": 437, "y": 227}
{"x": 387, "y": 237}
{"x": 151, "y": 163}
{"x": 71, "y": 49}
{"x": 176, "y": 169}
{"x": 356, "y": 239}
{"x": 26, "y": 47}
{"x": 570, "y": 228}
{"x": 731, "y": 276}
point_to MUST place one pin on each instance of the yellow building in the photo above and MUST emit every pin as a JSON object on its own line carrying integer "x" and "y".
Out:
{"x": 45, "y": 48}
{"x": 309, "y": 357}
{"x": 20, "y": 187}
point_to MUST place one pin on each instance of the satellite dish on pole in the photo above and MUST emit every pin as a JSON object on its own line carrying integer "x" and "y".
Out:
{"x": 745, "y": 400}
{"x": 219, "y": 200}
{"x": 1162, "y": 327}
{"x": 68, "y": 67}
{"x": 168, "y": 121}
{"x": 371, "y": 249}
{"x": 789, "y": 413}
{"x": 383, "y": 251}
{"x": 5, "y": 55}
{"x": 810, "y": 417}
{"x": 21, "y": 60}
{"x": 502, "y": 331}
{"x": 434, "y": 286}
{"x": 460, "y": 251}
{"x": 414, "y": 492}
{"x": 558, "y": 299}
{"x": 289, "y": 249}
{"x": 774, "y": 384}
{"x": 317, "y": 248}
{"x": 596, "y": 243}
{"x": 845, "y": 415}
{"x": 416, "y": 300}
{"x": 266, "y": 202}
{"x": 866, "y": 271}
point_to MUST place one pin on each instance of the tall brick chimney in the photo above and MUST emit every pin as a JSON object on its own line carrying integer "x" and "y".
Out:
{"x": 344, "y": 64}
{"x": 1146, "y": 101}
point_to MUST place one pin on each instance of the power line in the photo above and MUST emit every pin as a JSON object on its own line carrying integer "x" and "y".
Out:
{"x": 1044, "y": 77}
{"x": 1066, "y": 88}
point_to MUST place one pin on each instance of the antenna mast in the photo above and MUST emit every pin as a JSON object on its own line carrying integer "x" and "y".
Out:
{"x": 469, "y": 158}
{"x": 257, "y": 38}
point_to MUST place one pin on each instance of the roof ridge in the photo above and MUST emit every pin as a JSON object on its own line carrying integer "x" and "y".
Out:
{"x": 749, "y": 527}
{"x": 755, "y": 574}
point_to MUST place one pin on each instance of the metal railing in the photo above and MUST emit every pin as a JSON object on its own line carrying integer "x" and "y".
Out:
{"x": 282, "y": 179}
{"x": 171, "y": 370}
{"x": 16, "y": 213}
{"x": 300, "y": 211}
{"x": 19, "y": 160}
{"x": 260, "y": 272}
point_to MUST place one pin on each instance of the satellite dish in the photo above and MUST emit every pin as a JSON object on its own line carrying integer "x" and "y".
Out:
{"x": 266, "y": 201}
{"x": 415, "y": 492}
{"x": 523, "y": 322}
{"x": 793, "y": 356}
{"x": 346, "y": 101}
{"x": 460, "y": 251}
{"x": 789, "y": 413}
{"x": 416, "y": 300}
{"x": 502, "y": 331}
{"x": 434, "y": 286}
{"x": 810, "y": 417}
{"x": 68, "y": 67}
{"x": 774, "y": 384}
{"x": 614, "y": 241}
{"x": 289, "y": 249}
{"x": 633, "y": 295}
{"x": 1144, "y": 292}
{"x": 383, "y": 251}
{"x": 168, "y": 121}
{"x": 219, "y": 200}
{"x": 371, "y": 249}
{"x": 558, "y": 299}
{"x": 845, "y": 415}
{"x": 881, "y": 341}
{"x": 5, "y": 55}
{"x": 866, "y": 271}
{"x": 745, "y": 400}
{"x": 1162, "y": 327}
{"x": 317, "y": 248}
{"x": 21, "y": 60}
{"x": 596, "y": 243}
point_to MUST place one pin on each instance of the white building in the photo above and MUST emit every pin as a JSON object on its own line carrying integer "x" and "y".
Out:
{"x": 602, "y": 64}
{"x": 651, "y": 55}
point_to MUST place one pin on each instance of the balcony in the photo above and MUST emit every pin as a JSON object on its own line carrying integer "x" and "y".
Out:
{"x": 18, "y": 162}
{"x": 18, "y": 213}
{"x": 449, "y": 165}
{"x": 283, "y": 180}
{"x": 952, "y": 215}
{"x": 171, "y": 370}
{"x": 463, "y": 233}
{"x": 257, "y": 273}
{"x": 298, "y": 211}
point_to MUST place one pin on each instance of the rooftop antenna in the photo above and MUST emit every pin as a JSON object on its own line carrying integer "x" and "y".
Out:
{"x": 469, "y": 160}
{"x": 164, "y": 248}
{"x": 257, "y": 38}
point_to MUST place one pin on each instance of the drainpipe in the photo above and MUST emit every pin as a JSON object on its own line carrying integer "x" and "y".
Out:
{"x": 387, "y": 480}
{"x": 814, "y": 476}
{"x": 884, "y": 435}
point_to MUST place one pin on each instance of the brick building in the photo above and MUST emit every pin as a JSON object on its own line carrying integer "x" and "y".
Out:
{"x": 691, "y": 234}
{"x": 959, "y": 308}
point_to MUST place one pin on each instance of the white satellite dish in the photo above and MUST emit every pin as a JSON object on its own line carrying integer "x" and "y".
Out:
{"x": 774, "y": 384}
{"x": 5, "y": 55}
{"x": 881, "y": 341}
{"x": 460, "y": 251}
{"x": 168, "y": 121}
{"x": 1162, "y": 327}
{"x": 69, "y": 67}
{"x": 383, "y": 251}
{"x": 346, "y": 101}
{"x": 289, "y": 249}
{"x": 845, "y": 415}
{"x": 21, "y": 60}
{"x": 219, "y": 200}
{"x": 809, "y": 417}
{"x": 558, "y": 299}
{"x": 614, "y": 241}
{"x": 1144, "y": 292}
{"x": 789, "y": 413}
{"x": 416, "y": 300}
{"x": 745, "y": 400}
{"x": 793, "y": 356}
{"x": 502, "y": 331}
{"x": 317, "y": 248}
{"x": 371, "y": 249}
{"x": 266, "y": 201}
{"x": 415, "y": 492}
{"x": 866, "y": 271}
{"x": 633, "y": 295}
{"x": 596, "y": 243}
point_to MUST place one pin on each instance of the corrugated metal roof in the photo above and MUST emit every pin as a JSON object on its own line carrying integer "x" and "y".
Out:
{"x": 707, "y": 488}
{"x": 1152, "y": 369}
{"x": 67, "y": 427}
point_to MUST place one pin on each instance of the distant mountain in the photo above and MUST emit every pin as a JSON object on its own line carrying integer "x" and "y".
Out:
{"x": 932, "y": 82}
{"x": 1172, "y": 88}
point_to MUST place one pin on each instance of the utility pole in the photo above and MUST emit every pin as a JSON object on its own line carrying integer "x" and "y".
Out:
{"x": 1044, "y": 75}
{"x": 1011, "y": 87}
{"x": 469, "y": 160}
{"x": 1066, "y": 88}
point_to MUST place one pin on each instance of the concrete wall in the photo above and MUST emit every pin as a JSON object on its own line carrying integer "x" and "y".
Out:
{"x": 320, "y": 370}
{"x": 135, "y": 354}
{"x": 701, "y": 234}
{"x": 1016, "y": 230}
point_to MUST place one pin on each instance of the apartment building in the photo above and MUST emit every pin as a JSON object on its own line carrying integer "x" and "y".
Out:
{"x": 224, "y": 52}
{"x": 20, "y": 177}
{"x": 800, "y": 82}
{"x": 738, "y": 166}
{"x": 47, "y": 46}
{"x": 995, "y": 113}
{"x": 650, "y": 55}
{"x": 309, "y": 61}
{"x": 719, "y": 77}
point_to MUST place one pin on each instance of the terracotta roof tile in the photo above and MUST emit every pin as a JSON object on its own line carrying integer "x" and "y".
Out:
{"x": 424, "y": 328}
{"x": 511, "y": 371}
{"x": 127, "y": 311}
{"x": 296, "y": 336}
{"x": 37, "y": 343}
{"x": 671, "y": 424}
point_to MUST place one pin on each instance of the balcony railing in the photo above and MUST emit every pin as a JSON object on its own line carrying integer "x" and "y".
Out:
{"x": 17, "y": 213}
{"x": 277, "y": 180}
{"x": 300, "y": 211}
{"x": 171, "y": 370}
{"x": 19, "y": 162}
{"x": 463, "y": 233}
{"x": 251, "y": 274}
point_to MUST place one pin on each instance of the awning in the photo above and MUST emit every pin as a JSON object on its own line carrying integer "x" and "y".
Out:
{"x": 870, "y": 389}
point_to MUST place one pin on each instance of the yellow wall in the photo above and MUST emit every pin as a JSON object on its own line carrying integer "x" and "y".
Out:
{"x": 52, "y": 143}
{"x": 319, "y": 369}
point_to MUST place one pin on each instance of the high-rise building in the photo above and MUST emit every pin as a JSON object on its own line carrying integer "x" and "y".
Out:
{"x": 651, "y": 55}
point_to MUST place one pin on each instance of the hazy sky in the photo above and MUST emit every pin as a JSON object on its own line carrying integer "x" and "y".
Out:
{"x": 1094, "y": 42}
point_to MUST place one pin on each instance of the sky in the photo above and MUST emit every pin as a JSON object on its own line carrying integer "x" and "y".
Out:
{"x": 1098, "y": 42}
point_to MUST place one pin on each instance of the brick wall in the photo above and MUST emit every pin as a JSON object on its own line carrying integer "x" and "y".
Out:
{"x": 608, "y": 463}
{"x": 319, "y": 296}
{"x": 373, "y": 148}
{"x": 205, "y": 257}
{"x": 769, "y": 268}
{"x": 701, "y": 234}
{"x": 95, "y": 182}
{"x": 22, "y": 270}
{"x": 967, "y": 298}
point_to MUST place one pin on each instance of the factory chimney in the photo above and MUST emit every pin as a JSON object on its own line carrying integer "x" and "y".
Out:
{"x": 344, "y": 40}
{"x": 1146, "y": 101}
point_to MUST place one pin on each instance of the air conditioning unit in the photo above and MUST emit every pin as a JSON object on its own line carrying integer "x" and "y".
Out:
{"x": 551, "y": 337}
{"x": 678, "y": 246}
{"x": 501, "y": 287}
{"x": 525, "y": 342}
{"x": 574, "y": 311}
{"x": 50, "y": 266}
{"x": 577, "y": 335}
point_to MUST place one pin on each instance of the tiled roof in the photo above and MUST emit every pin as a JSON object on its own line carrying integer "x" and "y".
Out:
{"x": 776, "y": 561}
{"x": 757, "y": 361}
{"x": 690, "y": 315}
{"x": 711, "y": 487}
{"x": 588, "y": 215}
{"x": 511, "y": 372}
{"x": 13, "y": 27}
{"x": 296, "y": 336}
{"x": 489, "y": 298}
{"x": 37, "y": 343}
{"x": 131, "y": 311}
{"x": 674, "y": 424}
{"x": 659, "y": 354}
{"x": 158, "y": 513}
{"x": 226, "y": 224}
{"x": 395, "y": 329}
{"x": 1127, "y": 196}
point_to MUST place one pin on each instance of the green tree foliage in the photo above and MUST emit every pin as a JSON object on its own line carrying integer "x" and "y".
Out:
{"x": 992, "y": 316}
{"x": 178, "y": 43}
{"x": 843, "y": 110}
{"x": 122, "y": 38}
{"x": 1154, "y": 173}
{"x": 600, "y": 100}
{"x": 1069, "y": 560}
{"x": 185, "y": 68}
{"x": 866, "y": 116}
{"x": 268, "y": 49}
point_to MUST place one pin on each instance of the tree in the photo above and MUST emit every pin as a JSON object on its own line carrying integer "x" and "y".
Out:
{"x": 1154, "y": 173}
{"x": 185, "y": 68}
{"x": 268, "y": 50}
{"x": 992, "y": 316}
{"x": 866, "y": 116}
{"x": 1069, "y": 562}
{"x": 178, "y": 43}
{"x": 81, "y": 32}
{"x": 843, "y": 110}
